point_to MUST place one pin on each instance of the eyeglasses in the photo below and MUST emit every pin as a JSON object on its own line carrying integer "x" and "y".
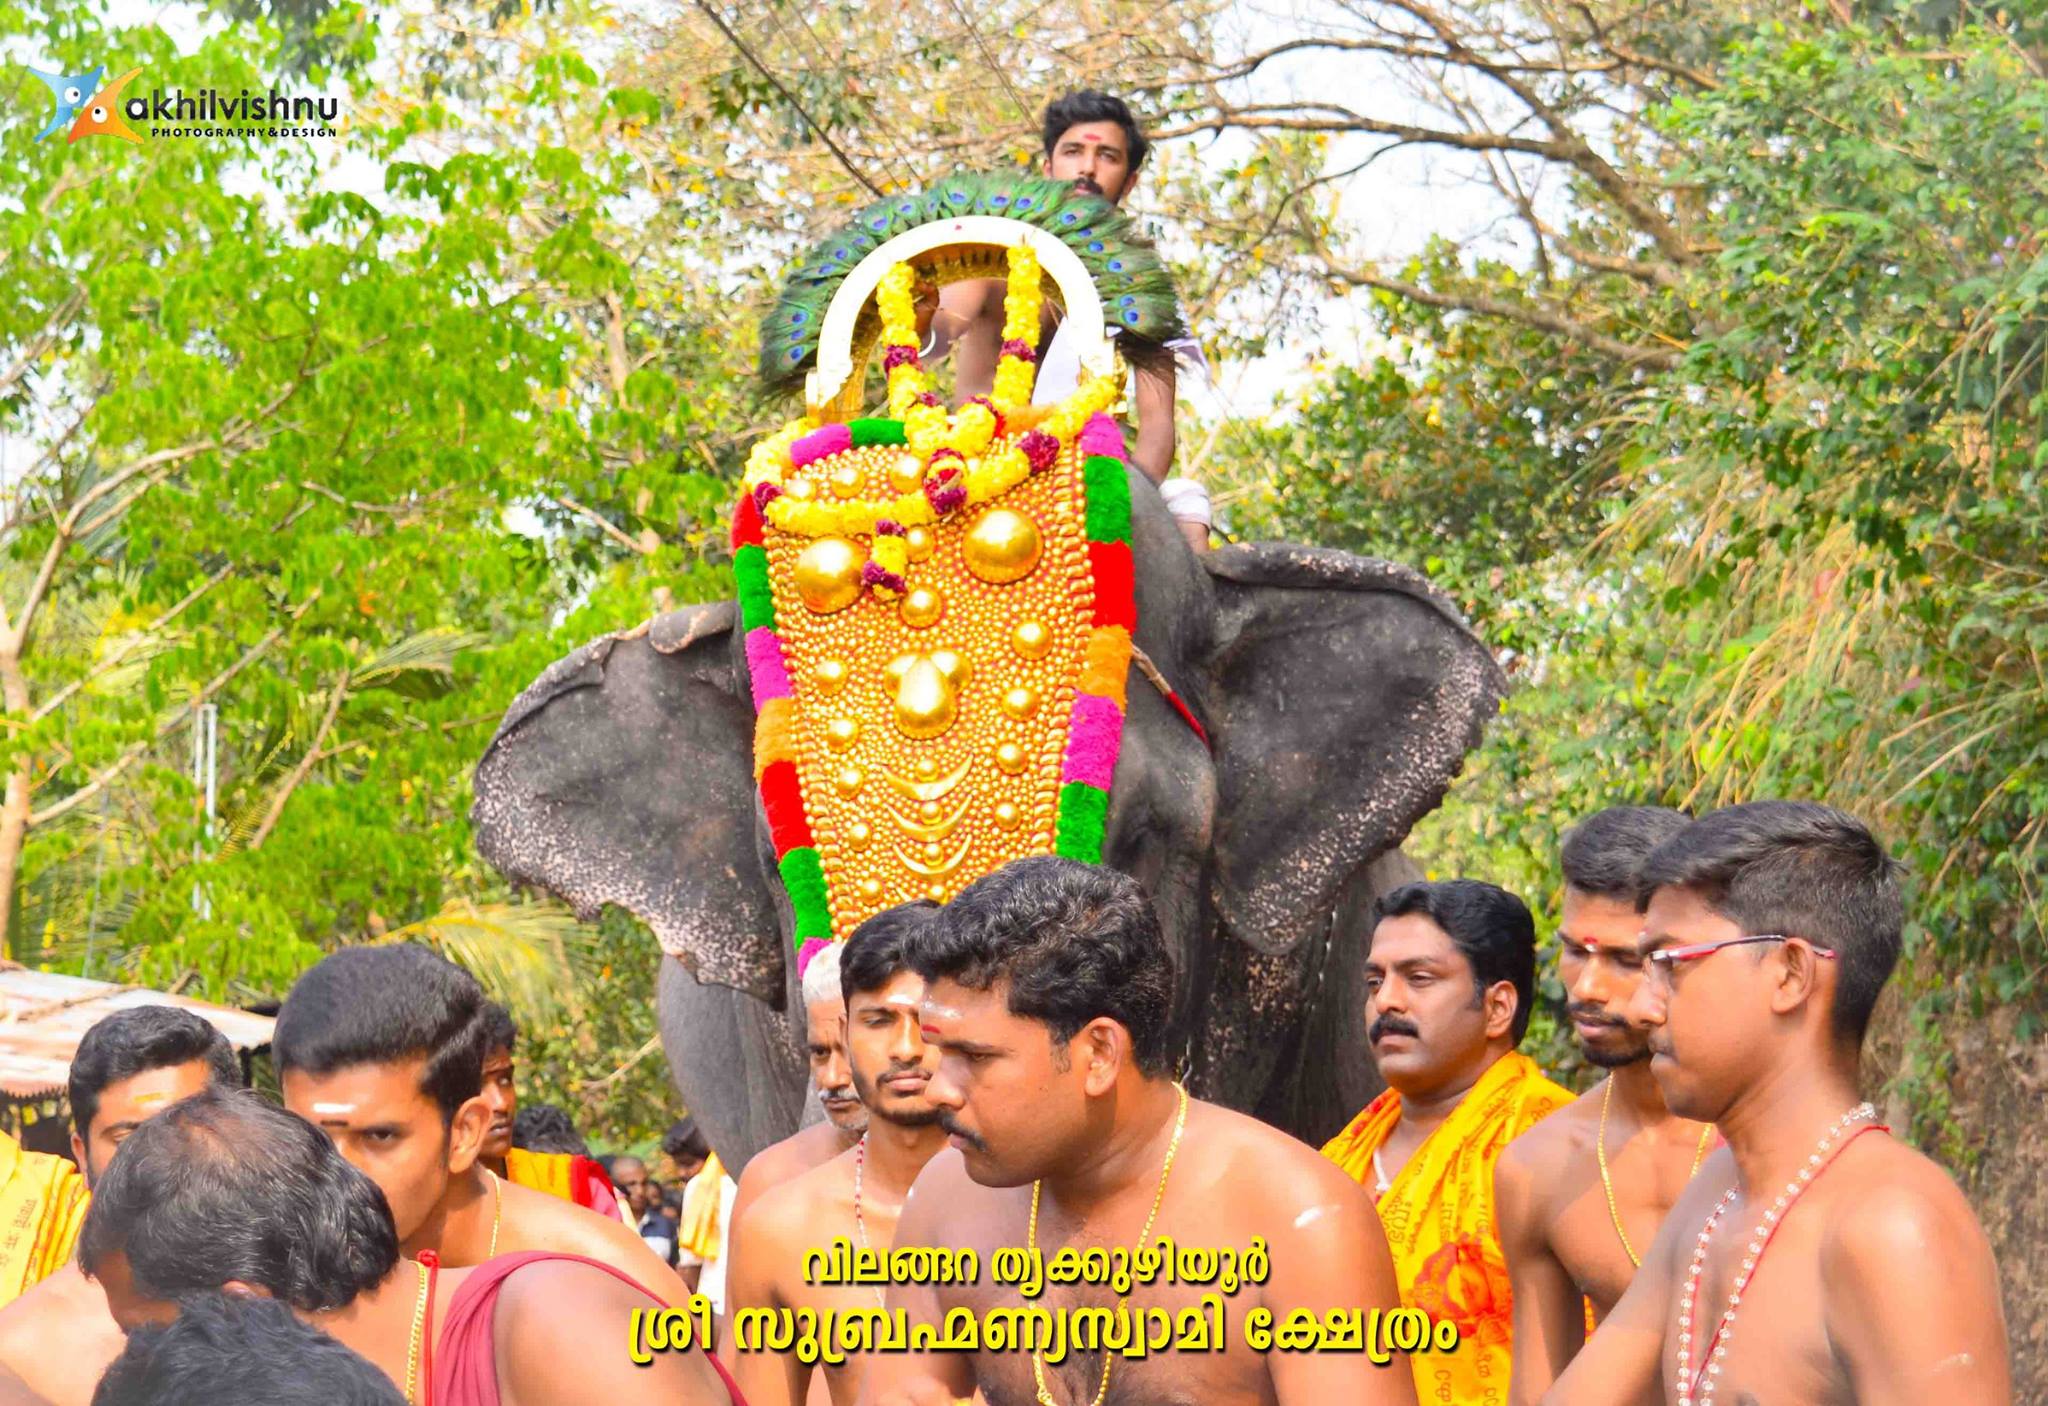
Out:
{"x": 1665, "y": 960}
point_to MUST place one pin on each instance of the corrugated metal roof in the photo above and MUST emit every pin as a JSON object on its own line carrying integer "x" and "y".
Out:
{"x": 43, "y": 1016}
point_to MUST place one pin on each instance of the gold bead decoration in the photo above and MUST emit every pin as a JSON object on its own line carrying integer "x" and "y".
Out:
{"x": 922, "y": 606}
{"x": 935, "y": 892}
{"x": 906, "y": 473}
{"x": 858, "y": 834}
{"x": 1010, "y": 758}
{"x": 1007, "y": 816}
{"x": 926, "y": 768}
{"x": 929, "y": 811}
{"x": 1002, "y": 547}
{"x": 829, "y": 675}
{"x": 842, "y": 733}
{"x": 871, "y": 889}
{"x": 919, "y": 543}
{"x": 952, "y": 666}
{"x": 846, "y": 481}
{"x": 1020, "y": 703}
{"x": 850, "y": 780}
{"x": 828, "y": 574}
{"x": 1031, "y": 639}
{"x": 926, "y": 702}
{"x": 933, "y": 852}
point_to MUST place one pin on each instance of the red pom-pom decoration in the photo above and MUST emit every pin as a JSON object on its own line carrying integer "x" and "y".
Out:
{"x": 1020, "y": 349}
{"x": 893, "y": 357}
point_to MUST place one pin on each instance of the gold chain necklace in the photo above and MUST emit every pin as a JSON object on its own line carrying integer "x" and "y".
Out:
{"x": 497, "y": 1210}
{"x": 1607, "y": 1182}
{"x": 412, "y": 1351}
{"x": 1180, "y": 1124}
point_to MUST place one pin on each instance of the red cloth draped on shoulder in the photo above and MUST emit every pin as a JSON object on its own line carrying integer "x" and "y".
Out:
{"x": 464, "y": 1365}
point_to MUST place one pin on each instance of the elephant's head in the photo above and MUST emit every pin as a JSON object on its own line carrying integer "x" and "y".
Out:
{"x": 1340, "y": 696}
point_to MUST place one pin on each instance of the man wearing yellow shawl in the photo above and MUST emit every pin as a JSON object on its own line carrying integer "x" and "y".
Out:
{"x": 1450, "y": 978}
{"x": 42, "y": 1205}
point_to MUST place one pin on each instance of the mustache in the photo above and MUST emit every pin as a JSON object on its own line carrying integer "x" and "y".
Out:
{"x": 1086, "y": 185}
{"x": 1594, "y": 1015}
{"x": 952, "y": 1126}
{"x": 838, "y": 1093}
{"x": 1391, "y": 1025}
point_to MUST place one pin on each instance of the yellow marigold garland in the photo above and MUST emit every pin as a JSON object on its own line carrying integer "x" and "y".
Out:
{"x": 988, "y": 467}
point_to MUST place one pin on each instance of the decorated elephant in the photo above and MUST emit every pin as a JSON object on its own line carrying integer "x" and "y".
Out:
{"x": 1250, "y": 732}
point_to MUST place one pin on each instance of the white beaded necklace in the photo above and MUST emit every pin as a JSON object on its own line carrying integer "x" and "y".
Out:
{"x": 1699, "y": 1390}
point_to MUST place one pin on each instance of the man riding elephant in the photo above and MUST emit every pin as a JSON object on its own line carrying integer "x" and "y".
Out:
{"x": 1250, "y": 733}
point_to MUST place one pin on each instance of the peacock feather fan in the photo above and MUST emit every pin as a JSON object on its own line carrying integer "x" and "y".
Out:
{"x": 1132, "y": 280}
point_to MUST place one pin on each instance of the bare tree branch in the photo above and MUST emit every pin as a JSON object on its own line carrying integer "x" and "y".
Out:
{"x": 1542, "y": 318}
{"x": 305, "y": 766}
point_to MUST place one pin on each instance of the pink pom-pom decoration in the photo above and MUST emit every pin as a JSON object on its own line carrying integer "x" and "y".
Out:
{"x": 765, "y": 668}
{"x": 1092, "y": 741}
{"x": 1102, "y": 435}
{"x": 1020, "y": 349}
{"x": 896, "y": 356}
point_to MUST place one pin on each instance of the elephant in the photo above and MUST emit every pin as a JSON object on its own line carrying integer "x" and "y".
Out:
{"x": 1340, "y": 696}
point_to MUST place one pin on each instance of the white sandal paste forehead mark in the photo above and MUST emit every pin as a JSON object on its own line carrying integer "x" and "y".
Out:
{"x": 334, "y": 1110}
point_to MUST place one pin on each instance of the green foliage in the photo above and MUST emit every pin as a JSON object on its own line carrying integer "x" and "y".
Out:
{"x": 1804, "y": 561}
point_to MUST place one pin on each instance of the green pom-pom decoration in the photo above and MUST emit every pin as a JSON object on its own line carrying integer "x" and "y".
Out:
{"x": 803, "y": 874}
{"x": 866, "y": 432}
{"x": 750, "y": 575}
{"x": 1109, "y": 499}
{"x": 1083, "y": 814}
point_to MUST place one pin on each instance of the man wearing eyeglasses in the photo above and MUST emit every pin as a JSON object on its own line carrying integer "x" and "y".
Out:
{"x": 1579, "y": 1196}
{"x": 1815, "y": 1258}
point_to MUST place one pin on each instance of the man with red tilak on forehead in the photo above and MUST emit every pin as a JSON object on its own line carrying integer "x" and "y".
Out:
{"x": 1579, "y": 1196}
{"x": 1816, "y": 1260}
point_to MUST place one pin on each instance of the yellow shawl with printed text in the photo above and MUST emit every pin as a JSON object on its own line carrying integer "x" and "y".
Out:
{"x": 42, "y": 1206}
{"x": 1438, "y": 1215}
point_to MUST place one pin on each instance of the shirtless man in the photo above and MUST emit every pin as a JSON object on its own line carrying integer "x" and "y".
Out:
{"x": 859, "y": 1194}
{"x": 229, "y": 1193}
{"x": 1816, "y": 1258}
{"x": 845, "y": 1118}
{"x": 1092, "y": 141}
{"x": 382, "y": 1048}
{"x": 1048, "y": 994}
{"x": 59, "y": 1337}
{"x": 1579, "y": 1196}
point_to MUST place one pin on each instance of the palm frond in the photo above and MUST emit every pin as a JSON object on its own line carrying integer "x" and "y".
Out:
{"x": 535, "y": 958}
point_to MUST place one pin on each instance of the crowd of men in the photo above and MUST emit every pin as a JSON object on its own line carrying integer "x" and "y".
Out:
{"x": 1719, "y": 1218}
{"x": 999, "y": 1073}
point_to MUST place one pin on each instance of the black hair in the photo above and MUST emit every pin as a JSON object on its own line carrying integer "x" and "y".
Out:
{"x": 381, "y": 1005}
{"x": 226, "y": 1186}
{"x": 243, "y": 1348}
{"x": 1073, "y": 941}
{"x": 880, "y": 947}
{"x": 607, "y": 1161}
{"x": 1603, "y": 854}
{"x": 137, "y": 1040}
{"x": 542, "y": 1127}
{"x": 685, "y": 1141}
{"x": 1804, "y": 870}
{"x": 1088, "y": 105}
{"x": 501, "y": 1032}
{"x": 1489, "y": 925}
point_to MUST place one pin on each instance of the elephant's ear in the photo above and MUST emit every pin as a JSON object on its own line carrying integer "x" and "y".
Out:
{"x": 1344, "y": 694}
{"x": 624, "y": 775}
